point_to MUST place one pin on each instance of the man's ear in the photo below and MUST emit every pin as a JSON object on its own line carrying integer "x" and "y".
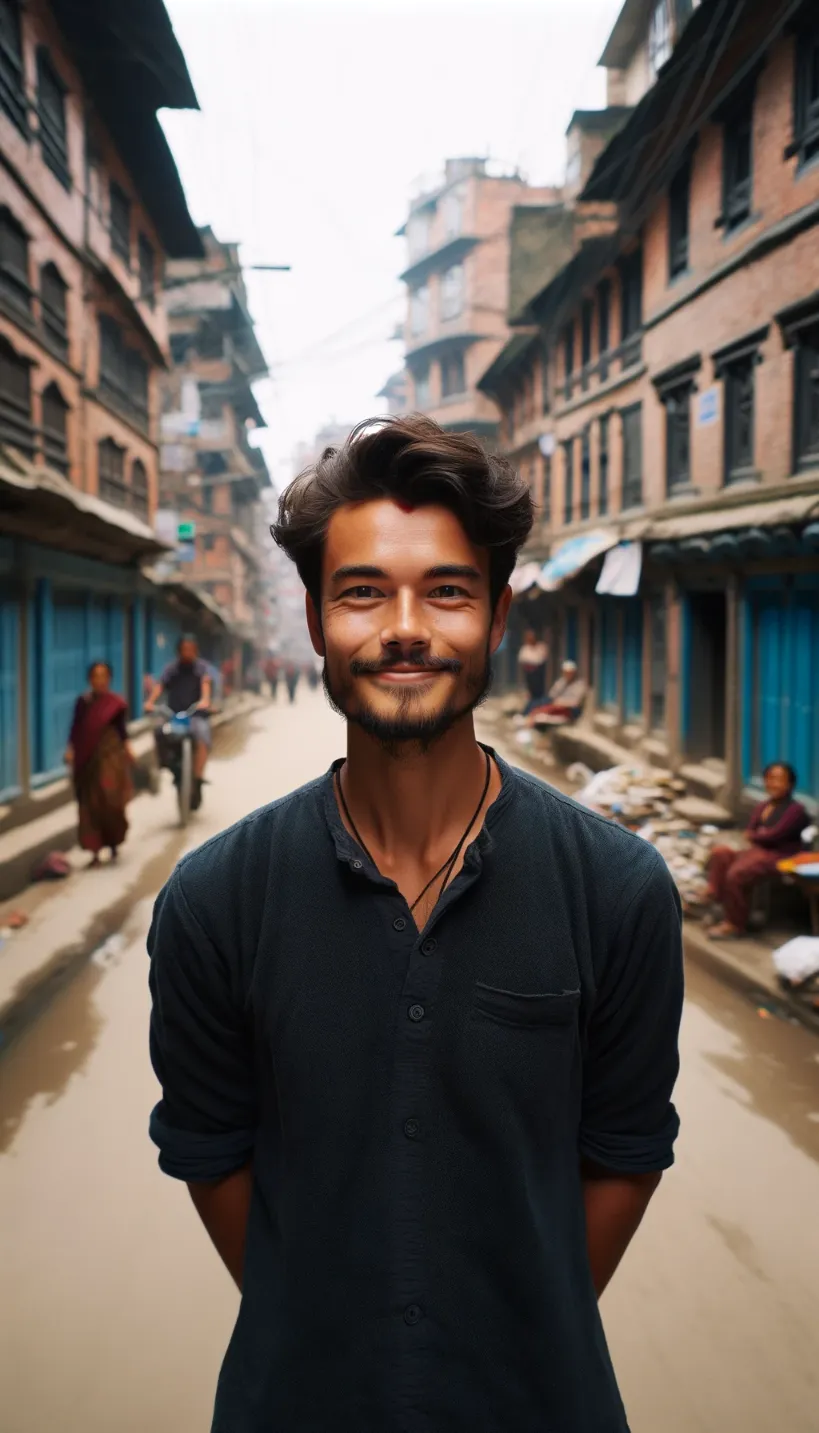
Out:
{"x": 500, "y": 618}
{"x": 314, "y": 625}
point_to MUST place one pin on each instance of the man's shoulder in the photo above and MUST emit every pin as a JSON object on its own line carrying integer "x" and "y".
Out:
{"x": 603, "y": 843}
{"x": 170, "y": 670}
{"x": 243, "y": 850}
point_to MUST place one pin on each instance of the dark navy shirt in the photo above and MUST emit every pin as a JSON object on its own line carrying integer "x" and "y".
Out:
{"x": 416, "y": 1107}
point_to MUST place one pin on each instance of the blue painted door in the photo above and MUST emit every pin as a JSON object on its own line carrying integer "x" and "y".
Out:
{"x": 570, "y": 637}
{"x": 64, "y": 661}
{"x": 781, "y": 699}
{"x": 9, "y": 693}
{"x": 609, "y": 654}
{"x": 633, "y": 658}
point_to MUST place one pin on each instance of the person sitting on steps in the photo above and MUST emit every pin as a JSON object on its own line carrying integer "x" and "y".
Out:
{"x": 774, "y": 832}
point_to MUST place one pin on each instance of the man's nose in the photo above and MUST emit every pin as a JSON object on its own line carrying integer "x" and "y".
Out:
{"x": 406, "y": 624}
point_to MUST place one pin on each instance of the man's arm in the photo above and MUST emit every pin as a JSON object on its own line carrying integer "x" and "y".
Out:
{"x": 223, "y": 1205}
{"x": 615, "y": 1205}
{"x": 159, "y": 688}
{"x": 207, "y": 689}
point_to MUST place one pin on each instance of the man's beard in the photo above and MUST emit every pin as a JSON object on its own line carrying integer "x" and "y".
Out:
{"x": 405, "y": 728}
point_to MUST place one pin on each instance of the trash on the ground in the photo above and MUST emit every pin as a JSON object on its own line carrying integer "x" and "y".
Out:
{"x": 524, "y": 737}
{"x": 579, "y": 774}
{"x": 54, "y": 867}
{"x": 797, "y": 960}
{"x": 110, "y": 948}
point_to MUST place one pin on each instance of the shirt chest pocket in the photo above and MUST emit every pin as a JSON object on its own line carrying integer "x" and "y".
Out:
{"x": 547, "y": 1011}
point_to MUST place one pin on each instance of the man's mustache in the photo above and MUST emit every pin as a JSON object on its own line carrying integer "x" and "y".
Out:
{"x": 421, "y": 661}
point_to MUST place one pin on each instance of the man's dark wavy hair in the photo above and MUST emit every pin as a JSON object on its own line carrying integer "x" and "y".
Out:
{"x": 414, "y": 461}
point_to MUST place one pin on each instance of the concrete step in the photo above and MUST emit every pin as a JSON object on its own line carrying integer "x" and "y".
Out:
{"x": 703, "y": 813}
{"x": 705, "y": 779}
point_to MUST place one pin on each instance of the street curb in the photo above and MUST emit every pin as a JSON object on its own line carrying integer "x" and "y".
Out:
{"x": 58, "y": 967}
{"x": 768, "y": 993}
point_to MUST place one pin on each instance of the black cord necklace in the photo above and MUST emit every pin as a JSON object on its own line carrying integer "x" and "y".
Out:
{"x": 449, "y": 863}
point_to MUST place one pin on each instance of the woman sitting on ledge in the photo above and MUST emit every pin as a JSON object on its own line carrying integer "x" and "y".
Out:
{"x": 773, "y": 832}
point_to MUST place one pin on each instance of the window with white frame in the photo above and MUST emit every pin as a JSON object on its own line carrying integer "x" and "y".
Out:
{"x": 660, "y": 36}
{"x": 418, "y": 233}
{"x": 452, "y": 292}
{"x": 453, "y": 213}
{"x": 419, "y": 311}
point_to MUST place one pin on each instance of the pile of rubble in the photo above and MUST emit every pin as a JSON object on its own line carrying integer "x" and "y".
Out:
{"x": 644, "y": 800}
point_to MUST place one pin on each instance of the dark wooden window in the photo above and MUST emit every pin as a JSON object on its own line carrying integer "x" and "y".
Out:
{"x": 568, "y": 488}
{"x": 139, "y": 488}
{"x": 586, "y": 320}
{"x": 807, "y": 397}
{"x": 632, "y": 456}
{"x": 806, "y": 116}
{"x": 677, "y": 403}
{"x": 14, "y": 284}
{"x": 604, "y": 326}
{"x": 545, "y": 391}
{"x": 209, "y": 541}
{"x": 737, "y": 163}
{"x": 53, "y": 291}
{"x": 679, "y": 210}
{"x": 631, "y": 308}
{"x": 739, "y": 418}
{"x": 123, "y": 372}
{"x": 658, "y": 658}
{"x": 147, "y": 270}
{"x": 120, "y": 222}
{"x": 453, "y": 375}
{"x": 51, "y": 92}
{"x": 55, "y": 429}
{"x": 12, "y": 73}
{"x": 112, "y": 485}
{"x": 568, "y": 358}
{"x": 603, "y": 487}
{"x": 16, "y": 427}
{"x": 547, "y": 491}
{"x": 585, "y": 475}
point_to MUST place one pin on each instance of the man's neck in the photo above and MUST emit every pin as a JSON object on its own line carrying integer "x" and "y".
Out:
{"x": 406, "y": 802}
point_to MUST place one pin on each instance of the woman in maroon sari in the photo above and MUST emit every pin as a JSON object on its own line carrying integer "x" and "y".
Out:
{"x": 773, "y": 833}
{"x": 99, "y": 753}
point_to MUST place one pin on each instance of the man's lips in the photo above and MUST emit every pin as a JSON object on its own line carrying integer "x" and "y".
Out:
{"x": 402, "y": 674}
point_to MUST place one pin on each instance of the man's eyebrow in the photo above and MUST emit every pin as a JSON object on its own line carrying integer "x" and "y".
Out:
{"x": 342, "y": 574}
{"x": 453, "y": 569}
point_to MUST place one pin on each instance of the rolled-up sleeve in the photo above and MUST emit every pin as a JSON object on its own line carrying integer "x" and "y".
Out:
{"x": 201, "y": 1049}
{"x": 631, "y": 1062}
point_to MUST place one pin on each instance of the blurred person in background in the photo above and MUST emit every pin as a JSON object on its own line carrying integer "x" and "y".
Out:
{"x": 774, "y": 832}
{"x": 291, "y": 679}
{"x": 101, "y": 760}
{"x": 416, "y": 1023}
{"x": 532, "y": 659}
{"x": 186, "y": 686}
{"x": 566, "y": 697}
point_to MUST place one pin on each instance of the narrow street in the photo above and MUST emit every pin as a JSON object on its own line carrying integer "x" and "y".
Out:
{"x": 115, "y": 1311}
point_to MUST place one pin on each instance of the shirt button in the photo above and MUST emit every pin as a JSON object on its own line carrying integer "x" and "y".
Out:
{"x": 429, "y": 947}
{"x": 416, "y": 1012}
{"x": 412, "y": 1314}
{"x": 412, "y": 1129}
{"x": 358, "y": 865}
{"x": 399, "y": 923}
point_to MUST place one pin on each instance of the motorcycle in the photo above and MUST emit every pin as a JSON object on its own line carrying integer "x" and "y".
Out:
{"x": 176, "y": 753}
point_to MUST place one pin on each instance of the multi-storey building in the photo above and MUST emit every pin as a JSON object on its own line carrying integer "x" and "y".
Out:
{"x": 685, "y": 417}
{"x": 457, "y": 273}
{"x": 212, "y": 477}
{"x": 90, "y": 207}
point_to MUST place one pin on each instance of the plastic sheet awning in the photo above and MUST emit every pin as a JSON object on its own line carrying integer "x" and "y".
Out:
{"x": 572, "y": 556}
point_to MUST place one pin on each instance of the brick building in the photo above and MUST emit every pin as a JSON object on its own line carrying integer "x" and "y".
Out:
{"x": 457, "y": 274}
{"x": 684, "y": 354}
{"x": 90, "y": 207}
{"x": 212, "y": 477}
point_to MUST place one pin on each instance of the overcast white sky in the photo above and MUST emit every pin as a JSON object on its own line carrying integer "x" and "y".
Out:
{"x": 316, "y": 118}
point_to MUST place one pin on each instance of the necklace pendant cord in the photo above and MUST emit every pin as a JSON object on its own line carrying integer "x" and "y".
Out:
{"x": 449, "y": 863}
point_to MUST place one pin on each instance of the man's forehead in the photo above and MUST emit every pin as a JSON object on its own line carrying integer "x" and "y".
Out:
{"x": 388, "y": 532}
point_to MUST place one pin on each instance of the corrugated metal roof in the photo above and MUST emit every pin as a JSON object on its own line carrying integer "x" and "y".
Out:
{"x": 777, "y": 512}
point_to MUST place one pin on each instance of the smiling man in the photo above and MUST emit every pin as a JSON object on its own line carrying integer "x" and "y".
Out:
{"x": 416, "y": 1024}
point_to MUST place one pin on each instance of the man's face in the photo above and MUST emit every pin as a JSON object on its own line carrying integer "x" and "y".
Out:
{"x": 406, "y": 628}
{"x": 188, "y": 652}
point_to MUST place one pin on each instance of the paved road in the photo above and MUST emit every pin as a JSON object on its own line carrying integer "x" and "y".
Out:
{"x": 114, "y": 1312}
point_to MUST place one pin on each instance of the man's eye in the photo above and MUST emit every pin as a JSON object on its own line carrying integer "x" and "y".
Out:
{"x": 362, "y": 593}
{"x": 448, "y": 590}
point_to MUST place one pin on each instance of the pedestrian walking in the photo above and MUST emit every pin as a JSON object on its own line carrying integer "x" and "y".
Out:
{"x": 291, "y": 680}
{"x": 416, "y": 1024}
{"x": 101, "y": 760}
{"x": 773, "y": 834}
